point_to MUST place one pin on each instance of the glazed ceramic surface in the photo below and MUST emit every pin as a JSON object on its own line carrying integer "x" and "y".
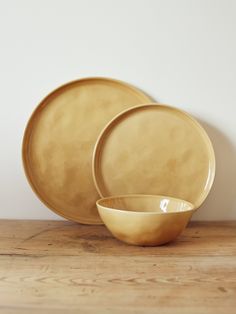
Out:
{"x": 144, "y": 219}
{"x": 59, "y": 140}
{"x": 156, "y": 150}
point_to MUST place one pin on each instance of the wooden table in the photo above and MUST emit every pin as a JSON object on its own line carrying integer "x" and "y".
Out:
{"x": 64, "y": 267}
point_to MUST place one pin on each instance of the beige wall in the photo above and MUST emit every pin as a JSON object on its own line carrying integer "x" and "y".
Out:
{"x": 181, "y": 52}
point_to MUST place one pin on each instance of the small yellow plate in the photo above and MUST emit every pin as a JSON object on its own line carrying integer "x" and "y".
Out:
{"x": 156, "y": 150}
{"x": 59, "y": 140}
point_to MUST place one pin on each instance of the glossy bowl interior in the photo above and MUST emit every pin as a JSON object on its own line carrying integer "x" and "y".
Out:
{"x": 146, "y": 220}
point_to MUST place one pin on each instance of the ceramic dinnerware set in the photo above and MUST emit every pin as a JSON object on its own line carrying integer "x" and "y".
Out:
{"x": 98, "y": 150}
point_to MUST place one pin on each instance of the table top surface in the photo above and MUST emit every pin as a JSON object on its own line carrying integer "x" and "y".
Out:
{"x": 64, "y": 267}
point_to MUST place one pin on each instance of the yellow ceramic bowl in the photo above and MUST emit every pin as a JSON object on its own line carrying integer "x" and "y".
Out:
{"x": 146, "y": 220}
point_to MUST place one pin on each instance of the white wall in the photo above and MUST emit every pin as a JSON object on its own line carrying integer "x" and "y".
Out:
{"x": 181, "y": 52}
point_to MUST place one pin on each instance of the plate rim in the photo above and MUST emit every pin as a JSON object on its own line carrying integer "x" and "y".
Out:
{"x": 26, "y": 134}
{"x": 119, "y": 116}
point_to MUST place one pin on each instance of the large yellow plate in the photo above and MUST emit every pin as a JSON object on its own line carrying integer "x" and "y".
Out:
{"x": 154, "y": 149}
{"x": 59, "y": 140}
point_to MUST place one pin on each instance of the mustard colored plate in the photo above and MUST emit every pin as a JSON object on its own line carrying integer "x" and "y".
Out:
{"x": 59, "y": 139}
{"x": 156, "y": 150}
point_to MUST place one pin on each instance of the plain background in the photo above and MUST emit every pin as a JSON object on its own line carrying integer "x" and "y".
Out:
{"x": 182, "y": 53}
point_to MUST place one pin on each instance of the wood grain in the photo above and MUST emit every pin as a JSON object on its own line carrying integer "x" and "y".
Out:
{"x": 64, "y": 267}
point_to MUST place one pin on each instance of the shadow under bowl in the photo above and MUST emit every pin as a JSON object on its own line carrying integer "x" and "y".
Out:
{"x": 146, "y": 220}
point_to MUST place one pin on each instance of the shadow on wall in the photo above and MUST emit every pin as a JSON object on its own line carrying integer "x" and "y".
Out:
{"x": 221, "y": 202}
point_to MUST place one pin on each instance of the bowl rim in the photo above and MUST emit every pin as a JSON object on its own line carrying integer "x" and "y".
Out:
{"x": 192, "y": 207}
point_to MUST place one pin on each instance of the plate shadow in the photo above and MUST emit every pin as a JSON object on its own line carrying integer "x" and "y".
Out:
{"x": 221, "y": 201}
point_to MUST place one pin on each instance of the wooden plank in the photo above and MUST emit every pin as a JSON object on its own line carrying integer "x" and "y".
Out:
{"x": 62, "y": 267}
